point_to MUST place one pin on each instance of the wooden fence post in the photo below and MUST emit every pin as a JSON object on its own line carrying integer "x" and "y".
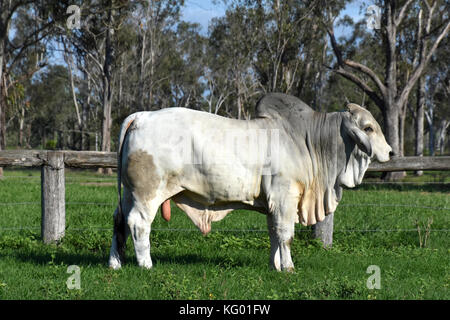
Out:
{"x": 324, "y": 230}
{"x": 53, "y": 222}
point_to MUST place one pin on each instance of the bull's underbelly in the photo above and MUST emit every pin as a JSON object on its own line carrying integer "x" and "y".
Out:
{"x": 213, "y": 184}
{"x": 203, "y": 214}
{"x": 211, "y": 193}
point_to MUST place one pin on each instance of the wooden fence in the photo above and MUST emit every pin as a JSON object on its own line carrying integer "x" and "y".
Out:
{"x": 52, "y": 165}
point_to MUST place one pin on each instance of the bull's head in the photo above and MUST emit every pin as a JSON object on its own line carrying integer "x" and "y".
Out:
{"x": 365, "y": 131}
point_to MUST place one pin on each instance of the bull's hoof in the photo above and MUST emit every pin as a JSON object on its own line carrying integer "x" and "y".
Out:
{"x": 114, "y": 264}
{"x": 275, "y": 266}
{"x": 289, "y": 269}
{"x": 146, "y": 264}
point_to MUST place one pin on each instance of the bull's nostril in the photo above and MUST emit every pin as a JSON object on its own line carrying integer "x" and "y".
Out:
{"x": 391, "y": 153}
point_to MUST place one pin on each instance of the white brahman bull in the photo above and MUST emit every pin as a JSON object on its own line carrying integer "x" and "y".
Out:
{"x": 288, "y": 163}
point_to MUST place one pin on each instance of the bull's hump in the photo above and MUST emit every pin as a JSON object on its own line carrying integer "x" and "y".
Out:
{"x": 280, "y": 104}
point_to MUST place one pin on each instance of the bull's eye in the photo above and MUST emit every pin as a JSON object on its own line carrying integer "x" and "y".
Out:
{"x": 368, "y": 129}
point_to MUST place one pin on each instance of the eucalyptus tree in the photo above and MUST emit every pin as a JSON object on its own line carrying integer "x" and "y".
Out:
{"x": 24, "y": 25}
{"x": 390, "y": 89}
{"x": 51, "y": 123}
{"x": 98, "y": 42}
{"x": 232, "y": 52}
{"x": 155, "y": 22}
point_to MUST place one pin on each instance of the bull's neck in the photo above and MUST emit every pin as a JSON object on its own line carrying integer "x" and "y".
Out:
{"x": 324, "y": 134}
{"x": 345, "y": 164}
{"x": 329, "y": 150}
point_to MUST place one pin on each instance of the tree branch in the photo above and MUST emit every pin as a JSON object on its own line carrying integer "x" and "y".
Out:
{"x": 24, "y": 77}
{"x": 354, "y": 65}
{"x": 369, "y": 72}
{"x": 15, "y": 7}
{"x": 334, "y": 45}
{"x": 402, "y": 12}
{"x": 23, "y": 46}
{"x": 361, "y": 84}
{"x": 420, "y": 68}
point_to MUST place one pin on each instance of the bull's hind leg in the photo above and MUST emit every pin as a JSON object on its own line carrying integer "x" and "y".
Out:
{"x": 120, "y": 233}
{"x": 139, "y": 222}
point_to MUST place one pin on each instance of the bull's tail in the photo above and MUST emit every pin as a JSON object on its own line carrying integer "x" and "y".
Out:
{"x": 119, "y": 219}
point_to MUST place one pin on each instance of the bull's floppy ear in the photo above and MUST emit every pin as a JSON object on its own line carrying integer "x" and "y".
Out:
{"x": 358, "y": 136}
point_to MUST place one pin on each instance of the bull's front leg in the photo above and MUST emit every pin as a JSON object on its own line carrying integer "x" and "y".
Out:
{"x": 274, "y": 247}
{"x": 281, "y": 223}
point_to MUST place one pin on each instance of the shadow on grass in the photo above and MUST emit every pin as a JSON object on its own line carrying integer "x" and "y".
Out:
{"x": 48, "y": 258}
{"x": 101, "y": 259}
{"x": 223, "y": 260}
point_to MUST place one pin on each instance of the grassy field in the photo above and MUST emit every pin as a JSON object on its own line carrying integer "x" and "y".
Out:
{"x": 228, "y": 263}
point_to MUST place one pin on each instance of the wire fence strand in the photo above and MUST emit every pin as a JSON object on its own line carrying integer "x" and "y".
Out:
{"x": 341, "y": 205}
{"x": 94, "y": 228}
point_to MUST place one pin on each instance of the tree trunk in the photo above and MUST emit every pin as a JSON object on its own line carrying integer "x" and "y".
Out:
{"x": 43, "y": 138}
{"x": 1, "y": 57}
{"x": 430, "y": 120}
{"x": 3, "y": 34}
{"x": 3, "y": 106}
{"x": 431, "y": 140}
{"x": 107, "y": 93}
{"x": 442, "y": 133}
{"x": 21, "y": 126}
{"x": 392, "y": 124}
{"x": 120, "y": 95}
{"x": 60, "y": 144}
{"x": 391, "y": 120}
{"x": 401, "y": 132}
{"x": 4, "y": 30}
{"x": 239, "y": 101}
{"x": 2, "y": 119}
{"x": 141, "y": 82}
{"x": 28, "y": 138}
{"x": 106, "y": 123}
{"x": 420, "y": 114}
{"x": 85, "y": 113}
{"x": 107, "y": 90}
{"x": 392, "y": 107}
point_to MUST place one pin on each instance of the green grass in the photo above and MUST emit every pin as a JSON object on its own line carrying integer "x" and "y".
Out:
{"x": 225, "y": 264}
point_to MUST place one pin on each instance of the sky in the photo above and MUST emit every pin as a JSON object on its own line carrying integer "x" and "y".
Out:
{"x": 202, "y": 11}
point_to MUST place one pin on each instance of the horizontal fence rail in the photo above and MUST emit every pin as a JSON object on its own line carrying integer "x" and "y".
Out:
{"x": 98, "y": 159}
{"x": 53, "y": 163}
{"x": 412, "y": 164}
{"x": 72, "y": 159}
